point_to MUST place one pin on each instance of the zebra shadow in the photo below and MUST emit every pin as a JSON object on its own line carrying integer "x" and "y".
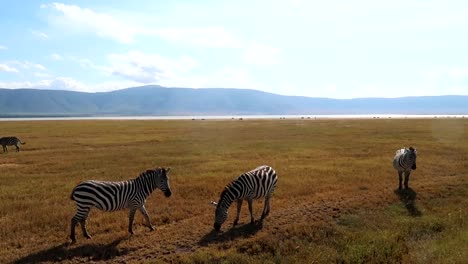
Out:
{"x": 62, "y": 252}
{"x": 408, "y": 198}
{"x": 243, "y": 231}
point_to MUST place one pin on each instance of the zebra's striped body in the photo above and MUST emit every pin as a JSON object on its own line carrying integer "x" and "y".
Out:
{"x": 10, "y": 141}
{"x": 112, "y": 196}
{"x": 405, "y": 161}
{"x": 255, "y": 184}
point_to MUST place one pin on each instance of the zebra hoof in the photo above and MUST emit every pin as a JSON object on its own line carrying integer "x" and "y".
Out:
{"x": 151, "y": 228}
{"x": 235, "y": 223}
{"x": 260, "y": 224}
{"x": 87, "y": 236}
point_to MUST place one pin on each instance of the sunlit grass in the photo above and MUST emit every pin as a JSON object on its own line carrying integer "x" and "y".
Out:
{"x": 335, "y": 201}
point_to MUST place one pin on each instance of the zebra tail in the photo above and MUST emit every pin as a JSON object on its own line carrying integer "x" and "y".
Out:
{"x": 71, "y": 195}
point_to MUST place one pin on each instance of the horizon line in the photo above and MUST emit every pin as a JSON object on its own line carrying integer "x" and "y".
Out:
{"x": 226, "y": 88}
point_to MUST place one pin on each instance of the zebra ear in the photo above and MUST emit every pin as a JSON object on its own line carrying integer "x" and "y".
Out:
{"x": 168, "y": 169}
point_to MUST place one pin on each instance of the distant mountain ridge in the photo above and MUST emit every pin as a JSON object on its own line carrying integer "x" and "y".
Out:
{"x": 157, "y": 100}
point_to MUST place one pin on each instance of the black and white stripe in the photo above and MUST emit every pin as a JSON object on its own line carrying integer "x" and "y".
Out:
{"x": 10, "y": 141}
{"x": 112, "y": 196}
{"x": 255, "y": 184}
{"x": 405, "y": 161}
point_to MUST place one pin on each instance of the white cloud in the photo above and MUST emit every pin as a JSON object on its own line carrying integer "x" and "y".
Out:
{"x": 227, "y": 77}
{"x": 41, "y": 75}
{"x": 140, "y": 68}
{"x": 15, "y": 85}
{"x": 39, "y": 67}
{"x": 88, "y": 64}
{"x": 148, "y": 68}
{"x": 66, "y": 83}
{"x": 458, "y": 72}
{"x": 59, "y": 83}
{"x": 84, "y": 19}
{"x": 39, "y": 34}
{"x": 6, "y": 68}
{"x": 261, "y": 54}
{"x": 213, "y": 37}
{"x": 295, "y": 2}
{"x": 124, "y": 30}
{"x": 3, "y": 47}
{"x": 56, "y": 57}
{"x": 27, "y": 65}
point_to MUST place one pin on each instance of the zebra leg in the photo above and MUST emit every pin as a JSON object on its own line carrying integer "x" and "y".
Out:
{"x": 250, "y": 202}
{"x": 83, "y": 228}
{"x": 83, "y": 223}
{"x": 130, "y": 220}
{"x": 145, "y": 214}
{"x": 17, "y": 148}
{"x": 266, "y": 208}
{"x": 72, "y": 230}
{"x": 239, "y": 206}
{"x": 407, "y": 174}
{"x": 400, "y": 178}
{"x": 79, "y": 217}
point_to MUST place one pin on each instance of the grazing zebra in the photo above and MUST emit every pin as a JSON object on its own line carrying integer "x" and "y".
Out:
{"x": 10, "y": 141}
{"x": 255, "y": 184}
{"x": 112, "y": 196}
{"x": 404, "y": 162}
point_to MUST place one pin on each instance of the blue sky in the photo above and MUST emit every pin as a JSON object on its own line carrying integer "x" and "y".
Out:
{"x": 336, "y": 49}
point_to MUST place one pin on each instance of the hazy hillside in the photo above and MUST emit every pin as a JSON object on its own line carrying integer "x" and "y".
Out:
{"x": 156, "y": 100}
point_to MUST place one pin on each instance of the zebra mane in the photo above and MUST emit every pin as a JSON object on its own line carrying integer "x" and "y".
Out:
{"x": 224, "y": 198}
{"x": 148, "y": 173}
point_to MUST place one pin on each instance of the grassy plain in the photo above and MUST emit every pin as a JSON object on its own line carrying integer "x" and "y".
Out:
{"x": 336, "y": 200}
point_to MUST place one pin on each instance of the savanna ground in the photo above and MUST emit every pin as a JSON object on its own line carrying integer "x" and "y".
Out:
{"x": 336, "y": 200}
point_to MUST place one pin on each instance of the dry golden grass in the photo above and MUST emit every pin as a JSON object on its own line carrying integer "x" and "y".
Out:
{"x": 335, "y": 201}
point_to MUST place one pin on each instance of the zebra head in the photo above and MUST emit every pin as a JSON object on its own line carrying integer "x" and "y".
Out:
{"x": 221, "y": 215}
{"x": 412, "y": 152}
{"x": 162, "y": 182}
{"x": 221, "y": 212}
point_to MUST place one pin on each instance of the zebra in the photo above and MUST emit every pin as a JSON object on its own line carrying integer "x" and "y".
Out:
{"x": 254, "y": 184}
{"x": 10, "y": 141}
{"x": 112, "y": 196}
{"x": 405, "y": 161}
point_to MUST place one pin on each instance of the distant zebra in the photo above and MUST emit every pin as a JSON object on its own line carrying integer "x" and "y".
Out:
{"x": 10, "y": 141}
{"x": 404, "y": 162}
{"x": 112, "y": 196}
{"x": 255, "y": 184}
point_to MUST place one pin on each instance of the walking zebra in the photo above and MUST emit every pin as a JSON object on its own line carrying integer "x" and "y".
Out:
{"x": 255, "y": 184}
{"x": 112, "y": 196}
{"x": 404, "y": 162}
{"x": 10, "y": 141}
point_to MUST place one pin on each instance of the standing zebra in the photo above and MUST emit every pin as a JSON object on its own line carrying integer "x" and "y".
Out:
{"x": 255, "y": 184}
{"x": 10, "y": 141}
{"x": 404, "y": 162}
{"x": 112, "y": 196}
